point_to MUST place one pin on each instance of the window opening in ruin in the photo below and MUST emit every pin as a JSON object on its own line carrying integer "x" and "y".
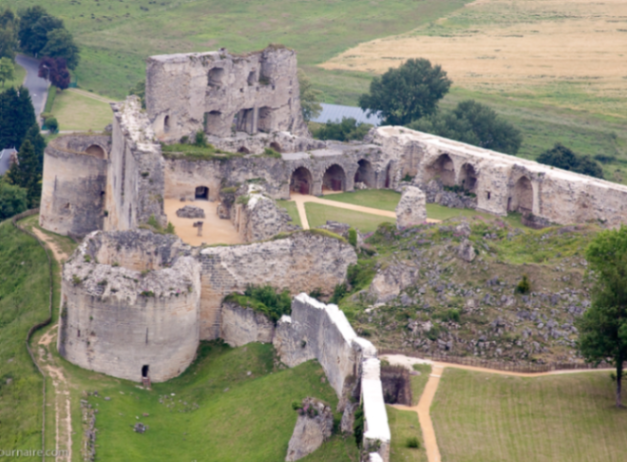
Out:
{"x": 252, "y": 77}
{"x": 442, "y": 169}
{"x": 243, "y": 150}
{"x": 244, "y": 121}
{"x": 145, "y": 370}
{"x": 264, "y": 119}
{"x": 334, "y": 178}
{"x": 365, "y": 174}
{"x": 522, "y": 197}
{"x": 468, "y": 178}
{"x": 488, "y": 195}
{"x": 276, "y": 146}
{"x": 96, "y": 151}
{"x": 78, "y": 332}
{"x": 67, "y": 206}
{"x": 166, "y": 124}
{"x": 388, "y": 175}
{"x": 213, "y": 123}
{"x": 301, "y": 181}
{"x": 201, "y": 193}
{"x": 215, "y": 77}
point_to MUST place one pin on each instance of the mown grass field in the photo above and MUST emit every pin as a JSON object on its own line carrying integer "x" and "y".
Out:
{"x": 76, "y": 111}
{"x": 24, "y": 289}
{"x": 291, "y": 210}
{"x": 383, "y": 199}
{"x": 486, "y": 417}
{"x": 318, "y": 215}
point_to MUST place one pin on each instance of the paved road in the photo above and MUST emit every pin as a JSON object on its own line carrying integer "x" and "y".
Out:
{"x": 4, "y": 161}
{"x": 37, "y": 86}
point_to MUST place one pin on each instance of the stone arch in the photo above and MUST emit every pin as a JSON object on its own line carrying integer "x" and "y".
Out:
{"x": 215, "y": 77}
{"x": 301, "y": 181}
{"x": 521, "y": 199}
{"x": 264, "y": 119}
{"x": 96, "y": 151}
{"x": 442, "y": 168}
{"x": 276, "y": 146}
{"x": 243, "y": 150}
{"x": 388, "y": 176}
{"x": 213, "y": 123}
{"x": 166, "y": 124}
{"x": 252, "y": 77}
{"x": 365, "y": 173}
{"x": 334, "y": 178}
{"x": 468, "y": 178}
{"x": 201, "y": 193}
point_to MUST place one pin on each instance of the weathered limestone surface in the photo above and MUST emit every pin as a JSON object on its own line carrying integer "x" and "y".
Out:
{"x": 257, "y": 144}
{"x": 313, "y": 427}
{"x": 74, "y": 184}
{"x": 190, "y": 211}
{"x": 116, "y": 319}
{"x": 302, "y": 261}
{"x": 391, "y": 280}
{"x": 256, "y": 92}
{"x": 412, "y": 208}
{"x": 240, "y": 325}
{"x": 377, "y": 434}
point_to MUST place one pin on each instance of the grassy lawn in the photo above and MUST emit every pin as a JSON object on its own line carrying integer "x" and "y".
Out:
{"x": 384, "y": 199}
{"x": 485, "y": 417}
{"x": 318, "y": 214}
{"x": 24, "y": 286}
{"x": 18, "y": 78}
{"x": 404, "y": 425}
{"x": 75, "y": 111}
{"x": 291, "y": 209}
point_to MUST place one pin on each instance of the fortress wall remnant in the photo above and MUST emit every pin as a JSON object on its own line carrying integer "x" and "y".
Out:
{"x": 315, "y": 330}
{"x": 135, "y": 177}
{"x": 126, "y": 323}
{"x": 504, "y": 183}
{"x": 219, "y": 92}
{"x": 74, "y": 184}
{"x": 239, "y": 325}
{"x": 303, "y": 261}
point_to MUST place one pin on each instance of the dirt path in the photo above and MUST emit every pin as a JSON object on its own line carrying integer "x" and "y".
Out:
{"x": 59, "y": 255}
{"x": 301, "y": 199}
{"x": 426, "y": 399}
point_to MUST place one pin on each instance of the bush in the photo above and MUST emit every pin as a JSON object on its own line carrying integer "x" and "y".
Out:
{"x": 358, "y": 425}
{"x": 339, "y": 292}
{"x": 264, "y": 299}
{"x": 413, "y": 442}
{"x": 524, "y": 286}
{"x": 52, "y": 124}
{"x": 199, "y": 139}
{"x": 562, "y": 157}
{"x": 272, "y": 153}
{"x": 360, "y": 275}
{"x": 316, "y": 293}
{"x": 352, "y": 237}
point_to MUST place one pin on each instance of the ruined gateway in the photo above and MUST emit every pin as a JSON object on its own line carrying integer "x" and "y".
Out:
{"x": 136, "y": 304}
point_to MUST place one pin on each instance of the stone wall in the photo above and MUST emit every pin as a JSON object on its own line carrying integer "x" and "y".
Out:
{"x": 220, "y": 92}
{"x": 240, "y": 325}
{"x": 128, "y": 323}
{"x": 74, "y": 184}
{"x": 504, "y": 183}
{"x": 135, "y": 176}
{"x": 303, "y": 261}
{"x": 319, "y": 331}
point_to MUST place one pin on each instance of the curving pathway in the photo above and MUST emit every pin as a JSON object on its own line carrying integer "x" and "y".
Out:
{"x": 426, "y": 399}
{"x": 37, "y": 87}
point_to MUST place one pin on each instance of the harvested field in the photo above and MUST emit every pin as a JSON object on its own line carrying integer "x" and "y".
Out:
{"x": 571, "y": 54}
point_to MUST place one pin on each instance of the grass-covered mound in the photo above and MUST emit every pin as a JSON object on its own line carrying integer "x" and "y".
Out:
{"x": 24, "y": 291}
{"x": 230, "y": 405}
{"x": 560, "y": 418}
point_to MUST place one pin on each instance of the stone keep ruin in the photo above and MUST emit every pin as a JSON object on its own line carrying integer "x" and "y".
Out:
{"x": 135, "y": 304}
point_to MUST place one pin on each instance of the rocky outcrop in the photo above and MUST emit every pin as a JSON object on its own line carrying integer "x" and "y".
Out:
{"x": 466, "y": 251}
{"x": 240, "y": 325}
{"x": 411, "y": 209}
{"x": 313, "y": 427}
{"x": 390, "y": 281}
{"x": 190, "y": 211}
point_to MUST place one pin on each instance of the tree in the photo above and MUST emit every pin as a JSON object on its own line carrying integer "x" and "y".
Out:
{"x": 406, "y": 94}
{"x": 309, "y": 97}
{"x": 61, "y": 44}
{"x": 16, "y": 116}
{"x": 346, "y": 130}
{"x": 35, "y": 23}
{"x": 603, "y": 327}
{"x": 55, "y": 70}
{"x": 26, "y": 173}
{"x": 7, "y": 70}
{"x": 8, "y": 43}
{"x": 562, "y": 157}
{"x": 12, "y": 199}
{"x": 473, "y": 123}
{"x": 39, "y": 145}
{"x": 140, "y": 90}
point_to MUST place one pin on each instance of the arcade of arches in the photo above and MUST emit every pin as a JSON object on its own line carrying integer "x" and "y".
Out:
{"x": 443, "y": 169}
{"x": 522, "y": 197}
{"x": 365, "y": 174}
{"x": 301, "y": 181}
{"x": 468, "y": 178}
{"x": 334, "y": 178}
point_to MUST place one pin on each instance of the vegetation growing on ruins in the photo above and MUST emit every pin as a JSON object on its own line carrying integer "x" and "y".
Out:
{"x": 266, "y": 300}
{"x": 489, "y": 417}
{"x": 195, "y": 152}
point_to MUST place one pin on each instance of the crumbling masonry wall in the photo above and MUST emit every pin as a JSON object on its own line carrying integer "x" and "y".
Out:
{"x": 222, "y": 93}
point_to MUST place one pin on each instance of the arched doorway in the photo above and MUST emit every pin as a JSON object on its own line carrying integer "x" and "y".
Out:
{"x": 444, "y": 169}
{"x": 365, "y": 174}
{"x": 388, "y": 175}
{"x": 201, "y": 193}
{"x": 301, "y": 181}
{"x": 243, "y": 150}
{"x": 522, "y": 197}
{"x": 334, "y": 178}
{"x": 468, "y": 178}
{"x": 166, "y": 124}
{"x": 96, "y": 151}
{"x": 276, "y": 146}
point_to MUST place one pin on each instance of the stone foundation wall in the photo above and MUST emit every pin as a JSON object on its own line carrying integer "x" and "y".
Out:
{"x": 303, "y": 261}
{"x": 239, "y": 325}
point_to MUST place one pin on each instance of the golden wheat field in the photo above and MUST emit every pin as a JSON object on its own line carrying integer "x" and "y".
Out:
{"x": 518, "y": 46}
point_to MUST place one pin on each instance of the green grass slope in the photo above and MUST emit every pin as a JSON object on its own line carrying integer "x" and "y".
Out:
{"x": 563, "y": 418}
{"x": 24, "y": 289}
